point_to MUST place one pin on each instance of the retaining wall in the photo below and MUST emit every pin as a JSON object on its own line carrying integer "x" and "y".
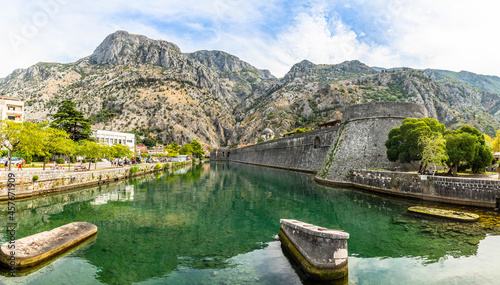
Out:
{"x": 302, "y": 152}
{"x": 59, "y": 180}
{"x": 454, "y": 190}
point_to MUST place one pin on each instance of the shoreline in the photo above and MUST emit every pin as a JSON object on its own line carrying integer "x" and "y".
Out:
{"x": 56, "y": 181}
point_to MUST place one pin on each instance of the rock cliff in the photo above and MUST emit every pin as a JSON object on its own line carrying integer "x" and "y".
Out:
{"x": 133, "y": 83}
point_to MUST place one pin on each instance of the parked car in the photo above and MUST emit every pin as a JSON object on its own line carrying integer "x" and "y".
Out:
{"x": 14, "y": 161}
{"x": 18, "y": 160}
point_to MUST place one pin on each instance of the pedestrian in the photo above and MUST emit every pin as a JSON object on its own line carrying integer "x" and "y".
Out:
{"x": 6, "y": 164}
{"x": 20, "y": 166}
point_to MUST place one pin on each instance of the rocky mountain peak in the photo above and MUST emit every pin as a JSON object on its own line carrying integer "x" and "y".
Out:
{"x": 121, "y": 47}
{"x": 226, "y": 63}
{"x": 354, "y": 66}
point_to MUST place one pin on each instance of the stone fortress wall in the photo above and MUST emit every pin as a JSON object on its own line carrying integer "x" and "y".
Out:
{"x": 346, "y": 152}
{"x": 302, "y": 152}
{"x": 360, "y": 143}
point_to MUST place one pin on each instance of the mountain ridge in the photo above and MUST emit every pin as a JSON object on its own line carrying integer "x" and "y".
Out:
{"x": 133, "y": 83}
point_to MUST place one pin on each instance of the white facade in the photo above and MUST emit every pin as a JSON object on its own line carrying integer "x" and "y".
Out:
{"x": 11, "y": 108}
{"x": 110, "y": 138}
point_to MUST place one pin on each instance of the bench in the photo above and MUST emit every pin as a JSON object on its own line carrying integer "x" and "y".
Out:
{"x": 78, "y": 168}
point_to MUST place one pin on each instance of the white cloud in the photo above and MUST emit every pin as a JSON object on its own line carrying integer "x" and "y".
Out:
{"x": 444, "y": 34}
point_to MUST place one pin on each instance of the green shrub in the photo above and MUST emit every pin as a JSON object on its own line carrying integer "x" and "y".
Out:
{"x": 35, "y": 178}
{"x": 60, "y": 160}
{"x": 134, "y": 169}
{"x": 158, "y": 166}
{"x": 73, "y": 160}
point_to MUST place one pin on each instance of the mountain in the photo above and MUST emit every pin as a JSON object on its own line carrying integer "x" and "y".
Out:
{"x": 149, "y": 87}
{"x": 482, "y": 82}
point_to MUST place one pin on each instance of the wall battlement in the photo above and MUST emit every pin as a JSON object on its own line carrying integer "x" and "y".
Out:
{"x": 374, "y": 110}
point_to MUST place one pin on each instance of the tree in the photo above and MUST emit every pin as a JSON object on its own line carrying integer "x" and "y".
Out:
{"x": 187, "y": 149}
{"x": 23, "y": 137}
{"x": 54, "y": 141}
{"x": 93, "y": 151}
{"x": 495, "y": 144}
{"x": 149, "y": 142}
{"x": 173, "y": 147}
{"x": 483, "y": 155}
{"x": 120, "y": 150}
{"x": 403, "y": 142}
{"x": 460, "y": 147}
{"x": 434, "y": 150}
{"x": 197, "y": 150}
{"x": 482, "y": 158}
{"x": 72, "y": 121}
{"x": 488, "y": 140}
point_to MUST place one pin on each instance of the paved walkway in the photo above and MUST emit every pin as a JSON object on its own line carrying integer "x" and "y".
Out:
{"x": 100, "y": 165}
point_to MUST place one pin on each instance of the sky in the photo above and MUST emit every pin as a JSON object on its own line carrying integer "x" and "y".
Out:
{"x": 269, "y": 34}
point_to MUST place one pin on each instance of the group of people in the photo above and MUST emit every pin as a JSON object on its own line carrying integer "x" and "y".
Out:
{"x": 426, "y": 172}
{"x": 19, "y": 166}
{"x": 57, "y": 166}
{"x": 118, "y": 162}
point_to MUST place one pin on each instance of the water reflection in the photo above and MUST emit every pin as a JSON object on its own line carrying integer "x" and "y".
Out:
{"x": 217, "y": 222}
{"x": 126, "y": 195}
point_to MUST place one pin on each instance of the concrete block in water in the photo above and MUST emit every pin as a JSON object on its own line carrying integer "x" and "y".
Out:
{"x": 321, "y": 252}
{"x": 34, "y": 249}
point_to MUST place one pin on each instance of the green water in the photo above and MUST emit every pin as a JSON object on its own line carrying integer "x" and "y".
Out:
{"x": 215, "y": 224}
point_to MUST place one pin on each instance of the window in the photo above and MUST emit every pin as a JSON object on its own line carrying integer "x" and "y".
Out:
{"x": 11, "y": 108}
{"x": 317, "y": 142}
{"x": 11, "y": 117}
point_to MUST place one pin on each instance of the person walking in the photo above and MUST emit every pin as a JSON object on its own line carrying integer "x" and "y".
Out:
{"x": 20, "y": 166}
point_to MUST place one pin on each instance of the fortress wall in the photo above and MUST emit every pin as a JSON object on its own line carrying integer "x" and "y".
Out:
{"x": 360, "y": 141}
{"x": 348, "y": 152}
{"x": 296, "y": 152}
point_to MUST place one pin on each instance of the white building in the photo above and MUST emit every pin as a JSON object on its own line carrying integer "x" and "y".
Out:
{"x": 110, "y": 138}
{"x": 11, "y": 108}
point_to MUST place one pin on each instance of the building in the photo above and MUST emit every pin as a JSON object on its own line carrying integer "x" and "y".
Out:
{"x": 11, "y": 108}
{"x": 110, "y": 138}
{"x": 159, "y": 148}
{"x": 140, "y": 148}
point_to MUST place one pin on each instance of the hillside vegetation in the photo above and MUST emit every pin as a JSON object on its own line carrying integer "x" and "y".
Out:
{"x": 133, "y": 83}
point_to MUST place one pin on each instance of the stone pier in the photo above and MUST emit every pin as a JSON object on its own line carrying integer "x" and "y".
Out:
{"x": 321, "y": 252}
{"x": 37, "y": 248}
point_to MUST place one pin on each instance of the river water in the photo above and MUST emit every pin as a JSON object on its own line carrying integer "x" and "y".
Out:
{"x": 215, "y": 224}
